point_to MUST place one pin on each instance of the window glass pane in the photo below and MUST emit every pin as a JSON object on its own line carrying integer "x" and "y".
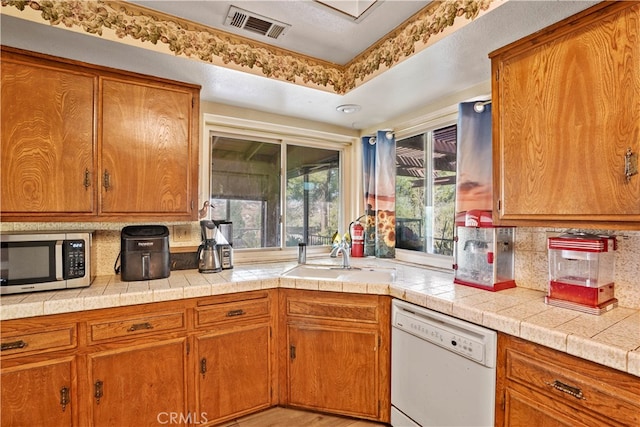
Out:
{"x": 425, "y": 191}
{"x": 245, "y": 189}
{"x": 313, "y": 195}
{"x": 410, "y": 193}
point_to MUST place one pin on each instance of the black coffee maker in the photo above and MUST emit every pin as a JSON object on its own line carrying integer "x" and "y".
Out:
{"x": 224, "y": 239}
{"x": 208, "y": 255}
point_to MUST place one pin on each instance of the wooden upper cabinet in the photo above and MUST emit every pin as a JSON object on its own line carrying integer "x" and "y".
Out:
{"x": 566, "y": 109}
{"x": 146, "y": 139}
{"x": 47, "y": 138}
{"x": 87, "y": 143}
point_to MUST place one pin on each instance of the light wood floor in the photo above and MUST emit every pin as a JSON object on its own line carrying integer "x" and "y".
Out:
{"x": 285, "y": 417}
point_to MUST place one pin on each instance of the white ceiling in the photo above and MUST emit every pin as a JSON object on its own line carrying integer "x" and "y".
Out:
{"x": 455, "y": 63}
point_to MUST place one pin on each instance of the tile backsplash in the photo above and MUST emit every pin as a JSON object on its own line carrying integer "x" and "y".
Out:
{"x": 531, "y": 258}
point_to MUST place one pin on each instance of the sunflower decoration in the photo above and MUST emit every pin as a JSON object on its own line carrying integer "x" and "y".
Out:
{"x": 386, "y": 233}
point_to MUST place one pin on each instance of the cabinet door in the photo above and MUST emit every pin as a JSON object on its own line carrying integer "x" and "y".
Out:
{"x": 334, "y": 370}
{"x": 566, "y": 110}
{"x": 38, "y": 393}
{"x": 531, "y": 409}
{"x": 233, "y": 373}
{"x": 47, "y": 139}
{"x": 146, "y": 149}
{"x": 142, "y": 386}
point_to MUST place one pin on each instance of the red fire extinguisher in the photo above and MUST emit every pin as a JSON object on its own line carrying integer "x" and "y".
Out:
{"x": 357, "y": 240}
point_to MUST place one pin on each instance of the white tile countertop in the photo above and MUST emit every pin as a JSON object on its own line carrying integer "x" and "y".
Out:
{"x": 611, "y": 339}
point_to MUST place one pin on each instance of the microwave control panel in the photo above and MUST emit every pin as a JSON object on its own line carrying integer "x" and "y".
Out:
{"x": 74, "y": 252}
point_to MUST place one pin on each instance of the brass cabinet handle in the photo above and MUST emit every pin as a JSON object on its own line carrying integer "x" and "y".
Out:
{"x": 98, "y": 391}
{"x": 12, "y": 345}
{"x": 566, "y": 388}
{"x": 234, "y": 313}
{"x": 106, "y": 180}
{"x": 138, "y": 326}
{"x": 203, "y": 366}
{"x": 292, "y": 352}
{"x": 630, "y": 164}
{"x": 87, "y": 179}
{"x": 64, "y": 397}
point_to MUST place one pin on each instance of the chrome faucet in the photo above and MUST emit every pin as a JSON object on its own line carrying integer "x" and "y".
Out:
{"x": 343, "y": 248}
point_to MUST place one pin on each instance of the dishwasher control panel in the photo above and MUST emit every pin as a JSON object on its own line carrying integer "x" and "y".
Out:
{"x": 456, "y": 342}
{"x": 455, "y": 335}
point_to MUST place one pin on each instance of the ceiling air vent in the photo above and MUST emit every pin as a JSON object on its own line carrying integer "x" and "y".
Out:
{"x": 255, "y": 23}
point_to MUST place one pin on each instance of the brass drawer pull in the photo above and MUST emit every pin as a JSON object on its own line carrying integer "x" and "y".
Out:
{"x": 138, "y": 326}
{"x": 12, "y": 345}
{"x": 234, "y": 313}
{"x": 565, "y": 388}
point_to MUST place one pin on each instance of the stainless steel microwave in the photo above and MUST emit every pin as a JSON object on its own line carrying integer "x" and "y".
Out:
{"x": 43, "y": 261}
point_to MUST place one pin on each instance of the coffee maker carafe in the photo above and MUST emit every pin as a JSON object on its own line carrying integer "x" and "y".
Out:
{"x": 208, "y": 256}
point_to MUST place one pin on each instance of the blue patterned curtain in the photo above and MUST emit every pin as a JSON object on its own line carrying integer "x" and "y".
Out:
{"x": 369, "y": 183}
{"x": 474, "y": 159}
{"x": 379, "y": 180}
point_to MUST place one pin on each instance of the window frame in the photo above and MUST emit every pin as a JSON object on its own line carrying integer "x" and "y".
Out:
{"x": 426, "y": 124}
{"x": 284, "y": 135}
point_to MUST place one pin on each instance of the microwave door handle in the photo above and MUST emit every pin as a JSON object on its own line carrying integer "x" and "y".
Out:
{"x": 59, "y": 260}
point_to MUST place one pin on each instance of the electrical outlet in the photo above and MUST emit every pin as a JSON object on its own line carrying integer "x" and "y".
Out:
{"x": 181, "y": 233}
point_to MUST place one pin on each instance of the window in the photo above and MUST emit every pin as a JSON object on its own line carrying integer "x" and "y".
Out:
{"x": 247, "y": 189}
{"x": 425, "y": 191}
{"x": 313, "y": 178}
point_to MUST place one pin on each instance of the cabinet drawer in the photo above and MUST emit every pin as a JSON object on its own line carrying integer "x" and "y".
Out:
{"x": 576, "y": 383}
{"x": 49, "y": 340}
{"x": 232, "y": 311}
{"x": 136, "y": 326}
{"x": 333, "y": 310}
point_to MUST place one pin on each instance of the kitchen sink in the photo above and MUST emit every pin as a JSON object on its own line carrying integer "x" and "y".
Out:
{"x": 333, "y": 272}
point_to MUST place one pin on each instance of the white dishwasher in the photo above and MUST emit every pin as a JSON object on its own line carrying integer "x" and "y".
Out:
{"x": 443, "y": 369}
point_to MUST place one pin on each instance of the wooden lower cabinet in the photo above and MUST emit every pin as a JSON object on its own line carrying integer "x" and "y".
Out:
{"x": 201, "y": 361}
{"x": 233, "y": 373}
{"x": 33, "y": 393}
{"x": 140, "y": 385}
{"x": 334, "y": 353}
{"x": 234, "y": 358}
{"x": 539, "y": 386}
{"x": 334, "y": 370}
{"x": 530, "y": 408}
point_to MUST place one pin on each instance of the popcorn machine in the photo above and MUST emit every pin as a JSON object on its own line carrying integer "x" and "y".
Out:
{"x": 581, "y": 272}
{"x": 484, "y": 254}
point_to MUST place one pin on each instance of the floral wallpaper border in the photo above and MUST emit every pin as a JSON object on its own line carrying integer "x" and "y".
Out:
{"x": 185, "y": 38}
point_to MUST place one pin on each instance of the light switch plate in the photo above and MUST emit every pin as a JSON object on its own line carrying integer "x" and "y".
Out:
{"x": 181, "y": 233}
